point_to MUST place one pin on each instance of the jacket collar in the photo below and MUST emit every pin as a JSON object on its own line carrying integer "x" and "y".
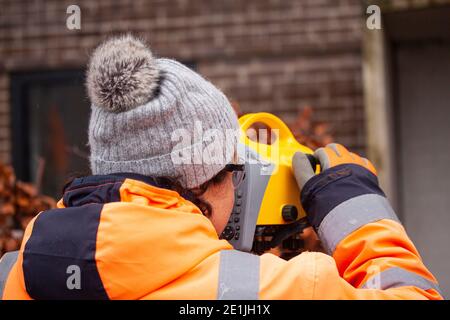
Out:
{"x": 105, "y": 188}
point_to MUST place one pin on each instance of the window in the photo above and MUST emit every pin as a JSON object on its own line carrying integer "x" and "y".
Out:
{"x": 50, "y": 113}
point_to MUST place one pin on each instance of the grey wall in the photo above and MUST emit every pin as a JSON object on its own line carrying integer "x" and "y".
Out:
{"x": 423, "y": 150}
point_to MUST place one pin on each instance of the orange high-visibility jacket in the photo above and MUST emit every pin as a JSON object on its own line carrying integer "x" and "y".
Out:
{"x": 125, "y": 238}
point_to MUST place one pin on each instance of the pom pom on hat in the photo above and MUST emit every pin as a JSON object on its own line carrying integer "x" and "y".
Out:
{"x": 135, "y": 115}
{"x": 122, "y": 74}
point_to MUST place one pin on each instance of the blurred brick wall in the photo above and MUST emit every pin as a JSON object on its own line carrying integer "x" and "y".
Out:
{"x": 268, "y": 55}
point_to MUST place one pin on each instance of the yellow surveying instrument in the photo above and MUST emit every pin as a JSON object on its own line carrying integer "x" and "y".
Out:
{"x": 267, "y": 210}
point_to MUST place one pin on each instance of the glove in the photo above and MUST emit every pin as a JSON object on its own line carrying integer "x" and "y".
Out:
{"x": 330, "y": 156}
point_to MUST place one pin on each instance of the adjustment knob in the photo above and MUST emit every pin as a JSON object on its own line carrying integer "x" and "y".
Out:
{"x": 289, "y": 213}
{"x": 228, "y": 233}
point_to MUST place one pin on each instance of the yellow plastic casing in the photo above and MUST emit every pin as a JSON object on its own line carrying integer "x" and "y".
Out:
{"x": 282, "y": 189}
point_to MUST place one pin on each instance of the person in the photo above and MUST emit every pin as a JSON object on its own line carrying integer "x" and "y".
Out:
{"x": 147, "y": 226}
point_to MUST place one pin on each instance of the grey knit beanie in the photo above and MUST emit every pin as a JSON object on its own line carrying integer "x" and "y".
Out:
{"x": 155, "y": 116}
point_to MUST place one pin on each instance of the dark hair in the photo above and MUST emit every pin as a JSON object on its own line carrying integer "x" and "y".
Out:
{"x": 193, "y": 195}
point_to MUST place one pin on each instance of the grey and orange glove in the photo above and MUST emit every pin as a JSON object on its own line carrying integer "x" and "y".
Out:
{"x": 344, "y": 175}
{"x": 331, "y": 156}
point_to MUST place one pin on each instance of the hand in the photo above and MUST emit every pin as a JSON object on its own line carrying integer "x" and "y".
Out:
{"x": 332, "y": 155}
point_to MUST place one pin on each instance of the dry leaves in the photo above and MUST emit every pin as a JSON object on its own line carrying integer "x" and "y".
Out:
{"x": 19, "y": 203}
{"x": 310, "y": 132}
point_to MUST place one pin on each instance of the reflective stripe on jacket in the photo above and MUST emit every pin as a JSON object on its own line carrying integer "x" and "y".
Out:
{"x": 129, "y": 239}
